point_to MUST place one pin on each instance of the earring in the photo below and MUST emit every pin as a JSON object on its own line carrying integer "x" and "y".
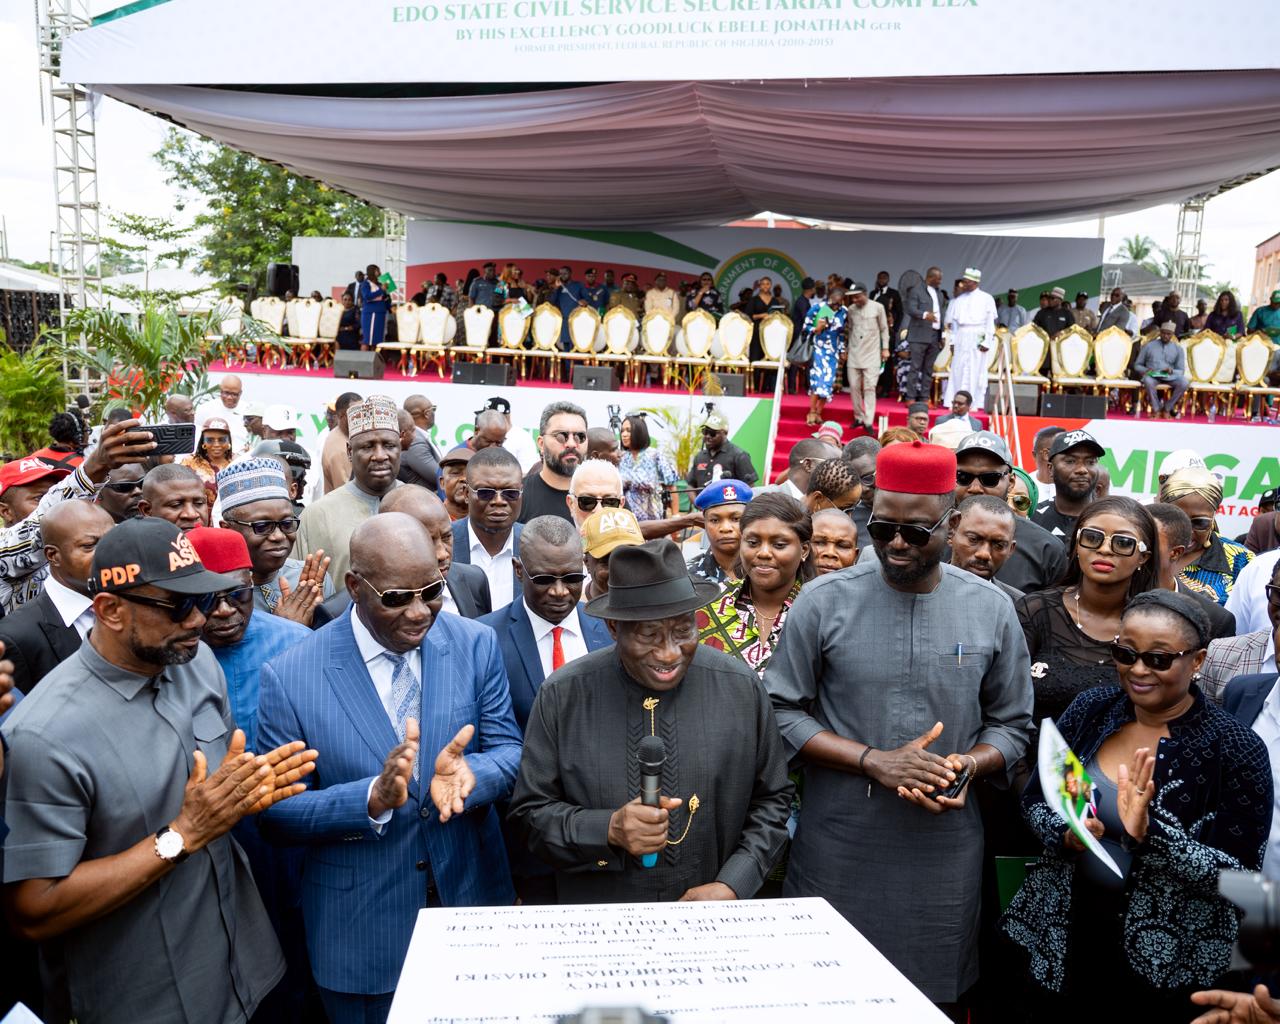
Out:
{"x": 1196, "y": 677}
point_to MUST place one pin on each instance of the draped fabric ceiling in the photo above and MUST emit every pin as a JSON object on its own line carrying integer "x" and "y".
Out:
{"x": 902, "y": 151}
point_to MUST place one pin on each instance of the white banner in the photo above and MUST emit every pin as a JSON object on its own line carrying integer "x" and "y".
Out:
{"x": 630, "y": 40}
{"x": 747, "y": 962}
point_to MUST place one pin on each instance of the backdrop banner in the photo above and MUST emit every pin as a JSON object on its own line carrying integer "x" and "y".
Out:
{"x": 738, "y": 257}
{"x": 457, "y": 404}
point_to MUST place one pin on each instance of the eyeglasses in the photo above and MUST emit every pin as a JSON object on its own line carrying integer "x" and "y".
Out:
{"x": 964, "y": 478}
{"x": 564, "y": 436}
{"x": 570, "y": 579}
{"x": 1091, "y": 539}
{"x": 846, "y": 509}
{"x": 868, "y": 479}
{"x": 232, "y": 597}
{"x": 261, "y": 527}
{"x": 1273, "y": 592}
{"x": 884, "y": 530}
{"x": 178, "y": 610}
{"x": 1202, "y": 523}
{"x": 1160, "y": 661}
{"x": 509, "y": 494}
{"x": 588, "y": 502}
{"x": 403, "y": 598}
{"x": 124, "y": 486}
{"x": 1020, "y": 502}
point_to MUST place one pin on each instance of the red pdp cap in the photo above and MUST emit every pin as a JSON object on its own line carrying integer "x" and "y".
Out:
{"x": 220, "y": 550}
{"x": 916, "y": 468}
{"x": 26, "y": 471}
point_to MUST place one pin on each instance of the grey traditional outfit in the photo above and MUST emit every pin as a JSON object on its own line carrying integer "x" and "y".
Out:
{"x": 579, "y": 766}
{"x": 880, "y": 666}
{"x": 330, "y": 522}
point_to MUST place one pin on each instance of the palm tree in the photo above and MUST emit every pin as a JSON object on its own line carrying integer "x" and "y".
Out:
{"x": 32, "y": 389}
{"x": 1135, "y": 249}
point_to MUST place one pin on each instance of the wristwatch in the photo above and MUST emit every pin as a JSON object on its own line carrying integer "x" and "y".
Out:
{"x": 169, "y": 846}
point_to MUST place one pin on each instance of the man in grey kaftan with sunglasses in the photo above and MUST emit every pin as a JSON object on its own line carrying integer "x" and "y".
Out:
{"x": 389, "y": 828}
{"x": 892, "y": 680}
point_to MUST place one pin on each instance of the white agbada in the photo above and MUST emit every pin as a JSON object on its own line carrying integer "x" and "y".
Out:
{"x": 971, "y": 318}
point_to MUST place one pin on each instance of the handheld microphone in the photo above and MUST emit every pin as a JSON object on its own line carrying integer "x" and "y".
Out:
{"x": 652, "y": 755}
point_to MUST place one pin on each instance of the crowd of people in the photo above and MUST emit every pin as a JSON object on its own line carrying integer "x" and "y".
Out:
{"x": 260, "y": 723}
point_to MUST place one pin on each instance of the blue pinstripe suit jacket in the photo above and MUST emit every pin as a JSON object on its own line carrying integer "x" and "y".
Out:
{"x": 361, "y": 891}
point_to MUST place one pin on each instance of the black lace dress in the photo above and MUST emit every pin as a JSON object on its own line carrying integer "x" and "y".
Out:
{"x": 1065, "y": 660}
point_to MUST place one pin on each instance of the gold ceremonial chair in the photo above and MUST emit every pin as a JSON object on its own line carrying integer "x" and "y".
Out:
{"x": 1069, "y": 356}
{"x": 621, "y": 336}
{"x": 734, "y": 334}
{"x": 693, "y": 345}
{"x": 1027, "y": 349}
{"x": 231, "y": 310}
{"x": 513, "y": 329}
{"x": 327, "y": 331}
{"x": 269, "y": 310}
{"x": 545, "y": 326}
{"x": 1112, "y": 350}
{"x": 993, "y": 356}
{"x": 1253, "y": 356}
{"x": 941, "y": 367}
{"x": 477, "y": 326}
{"x": 775, "y": 339}
{"x": 1206, "y": 354}
{"x": 437, "y": 328}
{"x": 657, "y": 332}
{"x": 585, "y": 339}
{"x": 304, "y": 331}
{"x": 407, "y": 327}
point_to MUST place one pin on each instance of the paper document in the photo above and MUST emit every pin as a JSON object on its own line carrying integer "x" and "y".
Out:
{"x": 1067, "y": 789}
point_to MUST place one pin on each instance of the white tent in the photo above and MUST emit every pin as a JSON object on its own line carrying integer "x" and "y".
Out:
{"x": 19, "y": 279}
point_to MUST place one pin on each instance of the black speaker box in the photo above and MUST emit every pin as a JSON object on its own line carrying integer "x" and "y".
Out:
{"x": 1025, "y": 399}
{"x": 490, "y": 374}
{"x": 1080, "y": 407}
{"x": 595, "y": 378}
{"x": 281, "y": 278}
{"x": 732, "y": 384}
{"x": 365, "y": 365}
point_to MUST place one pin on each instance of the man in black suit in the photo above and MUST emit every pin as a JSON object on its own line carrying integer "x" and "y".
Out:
{"x": 489, "y": 537}
{"x": 43, "y": 632}
{"x": 890, "y": 299}
{"x": 466, "y": 591}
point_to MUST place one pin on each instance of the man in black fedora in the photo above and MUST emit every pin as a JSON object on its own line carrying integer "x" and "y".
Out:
{"x": 724, "y": 791}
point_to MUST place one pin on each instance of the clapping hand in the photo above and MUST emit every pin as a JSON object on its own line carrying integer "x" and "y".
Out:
{"x": 453, "y": 779}
{"x": 299, "y": 603}
{"x": 391, "y": 787}
{"x": 1237, "y": 1007}
{"x": 1136, "y": 789}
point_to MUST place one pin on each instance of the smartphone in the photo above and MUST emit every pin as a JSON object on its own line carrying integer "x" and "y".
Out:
{"x": 957, "y": 787}
{"x": 172, "y": 438}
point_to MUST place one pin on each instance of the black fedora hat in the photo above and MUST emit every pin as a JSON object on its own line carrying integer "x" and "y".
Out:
{"x": 649, "y": 581}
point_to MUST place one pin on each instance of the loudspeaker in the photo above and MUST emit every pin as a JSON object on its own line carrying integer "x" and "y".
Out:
{"x": 365, "y": 365}
{"x": 281, "y": 278}
{"x": 1080, "y": 407}
{"x": 595, "y": 378}
{"x": 1025, "y": 398}
{"x": 732, "y": 384}
{"x": 489, "y": 374}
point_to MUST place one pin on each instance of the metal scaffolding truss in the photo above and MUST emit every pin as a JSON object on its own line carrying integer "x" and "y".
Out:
{"x": 1186, "y": 250}
{"x": 395, "y": 247}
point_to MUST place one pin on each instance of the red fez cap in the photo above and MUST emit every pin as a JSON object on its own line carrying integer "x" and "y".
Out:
{"x": 916, "y": 468}
{"x": 220, "y": 550}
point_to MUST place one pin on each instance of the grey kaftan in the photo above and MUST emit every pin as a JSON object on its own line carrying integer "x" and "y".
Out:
{"x": 873, "y": 664}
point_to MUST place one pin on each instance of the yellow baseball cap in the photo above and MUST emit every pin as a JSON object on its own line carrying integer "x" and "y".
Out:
{"x": 609, "y": 528}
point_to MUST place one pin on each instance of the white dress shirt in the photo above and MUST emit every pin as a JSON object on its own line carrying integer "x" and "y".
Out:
{"x": 497, "y": 568}
{"x": 74, "y": 609}
{"x": 571, "y": 640}
{"x": 1267, "y": 726}
{"x": 447, "y": 603}
{"x": 381, "y": 671}
{"x": 1248, "y": 598}
{"x": 937, "y": 314}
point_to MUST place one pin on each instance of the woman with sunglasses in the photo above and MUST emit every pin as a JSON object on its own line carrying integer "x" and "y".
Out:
{"x": 1113, "y": 557}
{"x": 1181, "y": 791}
{"x": 213, "y": 449}
{"x": 747, "y": 619}
{"x": 1024, "y": 495}
{"x": 648, "y": 475}
{"x": 1199, "y": 493}
{"x": 833, "y": 484}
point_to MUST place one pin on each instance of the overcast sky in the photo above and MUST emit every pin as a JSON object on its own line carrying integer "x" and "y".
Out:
{"x": 129, "y": 180}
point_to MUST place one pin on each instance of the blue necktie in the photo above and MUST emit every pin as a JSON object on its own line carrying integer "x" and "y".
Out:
{"x": 406, "y": 696}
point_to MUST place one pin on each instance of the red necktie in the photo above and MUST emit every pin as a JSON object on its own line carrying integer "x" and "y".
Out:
{"x": 557, "y": 648}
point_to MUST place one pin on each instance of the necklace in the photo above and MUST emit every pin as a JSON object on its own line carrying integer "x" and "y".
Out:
{"x": 1079, "y": 621}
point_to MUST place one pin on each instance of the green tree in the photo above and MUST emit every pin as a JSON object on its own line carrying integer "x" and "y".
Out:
{"x": 253, "y": 209}
{"x": 32, "y": 389}
{"x": 141, "y": 244}
{"x": 1135, "y": 249}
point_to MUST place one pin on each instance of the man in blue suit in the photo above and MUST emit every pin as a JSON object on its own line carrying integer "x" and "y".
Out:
{"x": 490, "y": 536}
{"x": 385, "y": 833}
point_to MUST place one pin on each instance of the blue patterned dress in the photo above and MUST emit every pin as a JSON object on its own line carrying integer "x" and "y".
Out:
{"x": 827, "y": 349}
{"x": 646, "y": 476}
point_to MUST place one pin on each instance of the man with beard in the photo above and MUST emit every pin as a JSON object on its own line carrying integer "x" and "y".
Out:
{"x": 121, "y": 493}
{"x": 124, "y": 735}
{"x": 877, "y": 834}
{"x": 562, "y": 440}
{"x": 1073, "y": 460}
{"x": 719, "y": 458}
{"x": 981, "y": 536}
{"x": 373, "y": 445}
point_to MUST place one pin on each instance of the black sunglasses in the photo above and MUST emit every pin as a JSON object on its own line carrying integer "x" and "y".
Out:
{"x": 884, "y": 530}
{"x": 563, "y": 436}
{"x": 124, "y": 486}
{"x": 964, "y": 478}
{"x": 1202, "y": 522}
{"x": 571, "y": 579}
{"x": 509, "y": 494}
{"x": 1160, "y": 661}
{"x": 178, "y": 610}
{"x": 402, "y": 598}
{"x": 233, "y": 597}
{"x": 1273, "y": 592}
{"x": 588, "y": 502}
{"x": 261, "y": 527}
{"x": 1091, "y": 538}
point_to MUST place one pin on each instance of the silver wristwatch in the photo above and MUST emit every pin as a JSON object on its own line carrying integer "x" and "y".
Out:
{"x": 170, "y": 846}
